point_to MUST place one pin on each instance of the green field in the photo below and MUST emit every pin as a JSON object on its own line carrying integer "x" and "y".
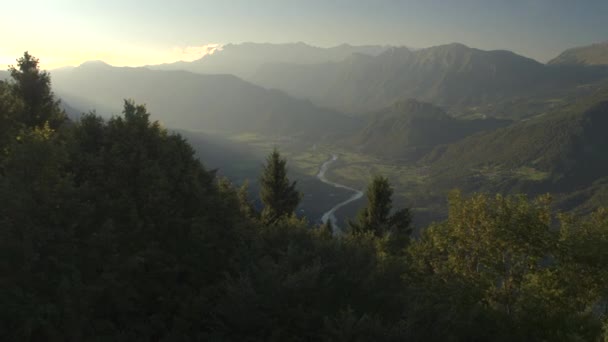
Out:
{"x": 414, "y": 185}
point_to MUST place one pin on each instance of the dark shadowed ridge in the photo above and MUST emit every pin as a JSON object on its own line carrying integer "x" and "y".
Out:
{"x": 410, "y": 128}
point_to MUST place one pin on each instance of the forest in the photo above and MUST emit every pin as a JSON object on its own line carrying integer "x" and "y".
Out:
{"x": 113, "y": 230}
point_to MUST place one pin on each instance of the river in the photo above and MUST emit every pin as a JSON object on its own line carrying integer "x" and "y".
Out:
{"x": 330, "y": 214}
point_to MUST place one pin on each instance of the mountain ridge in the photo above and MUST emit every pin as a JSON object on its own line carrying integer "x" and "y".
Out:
{"x": 185, "y": 100}
{"x": 244, "y": 59}
{"x": 409, "y": 129}
{"x": 558, "y": 152}
{"x": 451, "y": 75}
{"x": 594, "y": 54}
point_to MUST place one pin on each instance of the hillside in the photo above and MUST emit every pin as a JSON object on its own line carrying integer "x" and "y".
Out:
{"x": 451, "y": 75}
{"x": 560, "y": 152}
{"x": 410, "y": 128}
{"x": 221, "y": 103}
{"x": 244, "y": 59}
{"x": 595, "y": 54}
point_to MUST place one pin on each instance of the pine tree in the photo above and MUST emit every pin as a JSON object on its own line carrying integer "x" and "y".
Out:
{"x": 376, "y": 216}
{"x": 33, "y": 86}
{"x": 278, "y": 194}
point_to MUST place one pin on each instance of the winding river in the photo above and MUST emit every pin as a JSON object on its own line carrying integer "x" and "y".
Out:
{"x": 330, "y": 215}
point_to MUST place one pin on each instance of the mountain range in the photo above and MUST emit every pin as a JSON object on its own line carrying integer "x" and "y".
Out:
{"x": 452, "y": 75}
{"x": 474, "y": 119}
{"x": 184, "y": 100}
{"x": 243, "y": 60}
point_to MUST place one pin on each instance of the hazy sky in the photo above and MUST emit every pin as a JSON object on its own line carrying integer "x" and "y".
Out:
{"x": 129, "y": 32}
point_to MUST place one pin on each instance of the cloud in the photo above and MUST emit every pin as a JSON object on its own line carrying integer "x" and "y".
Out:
{"x": 192, "y": 53}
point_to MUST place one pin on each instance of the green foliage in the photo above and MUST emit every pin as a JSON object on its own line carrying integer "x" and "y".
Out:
{"x": 10, "y": 125}
{"x": 278, "y": 194}
{"x": 514, "y": 265}
{"x": 245, "y": 204}
{"x": 95, "y": 214}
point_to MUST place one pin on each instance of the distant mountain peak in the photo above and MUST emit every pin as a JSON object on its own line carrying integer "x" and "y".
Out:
{"x": 96, "y": 63}
{"x": 245, "y": 59}
{"x": 456, "y": 45}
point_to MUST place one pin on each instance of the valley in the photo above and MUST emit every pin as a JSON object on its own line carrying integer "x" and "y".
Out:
{"x": 430, "y": 120}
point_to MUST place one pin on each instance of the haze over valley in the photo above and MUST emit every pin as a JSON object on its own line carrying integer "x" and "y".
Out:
{"x": 386, "y": 109}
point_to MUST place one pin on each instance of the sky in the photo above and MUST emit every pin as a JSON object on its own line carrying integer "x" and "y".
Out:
{"x": 137, "y": 32}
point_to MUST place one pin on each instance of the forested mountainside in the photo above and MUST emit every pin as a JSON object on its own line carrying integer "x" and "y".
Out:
{"x": 559, "y": 152}
{"x": 595, "y": 54}
{"x": 243, "y": 60}
{"x": 410, "y": 129}
{"x": 113, "y": 230}
{"x": 218, "y": 103}
{"x": 452, "y": 75}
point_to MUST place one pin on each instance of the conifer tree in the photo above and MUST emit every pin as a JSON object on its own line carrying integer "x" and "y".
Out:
{"x": 33, "y": 86}
{"x": 278, "y": 194}
{"x": 376, "y": 216}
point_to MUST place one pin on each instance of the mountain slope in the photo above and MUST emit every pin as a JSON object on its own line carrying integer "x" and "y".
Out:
{"x": 410, "y": 128}
{"x": 595, "y": 54}
{"x": 196, "y": 102}
{"x": 448, "y": 75}
{"x": 243, "y": 60}
{"x": 558, "y": 153}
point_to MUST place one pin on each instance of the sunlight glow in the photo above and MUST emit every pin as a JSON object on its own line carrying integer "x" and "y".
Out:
{"x": 117, "y": 55}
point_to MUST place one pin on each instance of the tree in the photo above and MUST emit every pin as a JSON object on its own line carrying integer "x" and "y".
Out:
{"x": 10, "y": 109}
{"x": 376, "y": 216}
{"x": 278, "y": 194}
{"x": 246, "y": 206}
{"x": 507, "y": 253}
{"x": 33, "y": 87}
